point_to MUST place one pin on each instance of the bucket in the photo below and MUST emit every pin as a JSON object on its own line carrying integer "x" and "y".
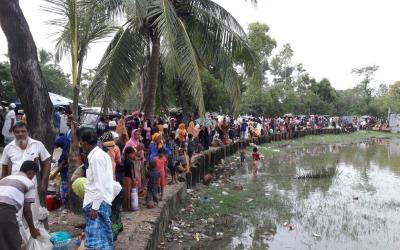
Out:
{"x": 52, "y": 202}
{"x": 61, "y": 240}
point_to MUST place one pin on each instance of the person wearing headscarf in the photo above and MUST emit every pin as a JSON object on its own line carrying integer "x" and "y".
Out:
{"x": 115, "y": 154}
{"x": 155, "y": 145}
{"x": 121, "y": 130}
{"x": 160, "y": 129}
{"x": 193, "y": 130}
{"x": 181, "y": 134}
{"x": 123, "y": 136}
{"x": 138, "y": 160}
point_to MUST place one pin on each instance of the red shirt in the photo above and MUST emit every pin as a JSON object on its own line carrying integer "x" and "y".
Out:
{"x": 256, "y": 156}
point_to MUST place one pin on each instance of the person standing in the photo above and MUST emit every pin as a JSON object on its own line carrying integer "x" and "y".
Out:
{"x": 98, "y": 193}
{"x": 9, "y": 122}
{"x": 21, "y": 149}
{"x": 64, "y": 142}
{"x": 112, "y": 125}
{"x": 17, "y": 191}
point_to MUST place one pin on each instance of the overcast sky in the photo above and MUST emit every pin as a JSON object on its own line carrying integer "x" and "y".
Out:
{"x": 330, "y": 37}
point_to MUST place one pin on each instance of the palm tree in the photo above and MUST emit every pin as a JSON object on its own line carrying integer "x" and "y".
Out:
{"x": 181, "y": 35}
{"x": 80, "y": 24}
{"x": 27, "y": 77}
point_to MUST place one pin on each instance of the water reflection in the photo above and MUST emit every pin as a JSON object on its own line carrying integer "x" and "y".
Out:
{"x": 356, "y": 209}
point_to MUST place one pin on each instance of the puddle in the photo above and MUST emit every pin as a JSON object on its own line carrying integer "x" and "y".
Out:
{"x": 356, "y": 207}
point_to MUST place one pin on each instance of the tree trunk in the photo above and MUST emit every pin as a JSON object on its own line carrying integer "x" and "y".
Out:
{"x": 74, "y": 159}
{"x": 27, "y": 76}
{"x": 189, "y": 110}
{"x": 144, "y": 77}
{"x": 149, "y": 97}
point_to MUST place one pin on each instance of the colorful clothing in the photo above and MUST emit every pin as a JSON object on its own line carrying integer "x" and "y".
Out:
{"x": 256, "y": 156}
{"x": 153, "y": 151}
{"x": 181, "y": 133}
{"x": 98, "y": 232}
{"x": 160, "y": 163}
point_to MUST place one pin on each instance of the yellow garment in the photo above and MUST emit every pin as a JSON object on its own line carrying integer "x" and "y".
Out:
{"x": 57, "y": 179}
{"x": 121, "y": 130}
{"x": 161, "y": 129}
{"x": 78, "y": 186}
{"x": 187, "y": 167}
{"x": 155, "y": 137}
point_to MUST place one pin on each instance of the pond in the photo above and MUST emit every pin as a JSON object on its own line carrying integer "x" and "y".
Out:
{"x": 356, "y": 207}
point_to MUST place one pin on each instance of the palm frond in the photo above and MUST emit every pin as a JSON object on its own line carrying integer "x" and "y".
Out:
{"x": 220, "y": 31}
{"x": 93, "y": 24}
{"x": 120, "y": 65}
{"x": 181, "y": 56}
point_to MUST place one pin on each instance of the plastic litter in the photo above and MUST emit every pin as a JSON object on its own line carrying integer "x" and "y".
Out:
{"x": 42, "y": 242}
{"x": 316, "y": 235}
{"x": 219, "y": 235}
{"x": 134, "y": 199}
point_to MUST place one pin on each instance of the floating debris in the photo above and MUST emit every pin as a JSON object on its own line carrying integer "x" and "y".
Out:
{"x": 219, "y": 236}
{"x": 316, "y": 235}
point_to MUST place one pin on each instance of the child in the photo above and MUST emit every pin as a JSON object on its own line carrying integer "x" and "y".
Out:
{"x": 129, "y": 180}
{"x": 181, "y": 163}
{"x": 242, "y": 156}
{"x": 160, "y": 162}
{"x": 172, "y": 158}
{"x": 153, "y": 177}
{"x": 256, "y": 159}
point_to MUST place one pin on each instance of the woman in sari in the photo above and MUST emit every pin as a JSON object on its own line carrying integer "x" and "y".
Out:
{"x": 181, "y": 134}
{"x": 192, "y": 130}
{"x": 135, "y": 143}
{"x": 123, "y": 136}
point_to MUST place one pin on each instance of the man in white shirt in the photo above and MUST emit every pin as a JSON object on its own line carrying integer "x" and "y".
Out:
{"x": 112, "y": 125}
{"x": 17, "y": 191}
{"x": 98, "y": 193}
{"x": 8, "y": 125}
{"x": 21, "y": 149}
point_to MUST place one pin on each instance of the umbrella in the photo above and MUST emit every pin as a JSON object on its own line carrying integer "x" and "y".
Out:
{"x": 204, "y": 122}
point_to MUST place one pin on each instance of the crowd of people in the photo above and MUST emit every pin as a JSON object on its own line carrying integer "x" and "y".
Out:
{"x": 123, "y": 158}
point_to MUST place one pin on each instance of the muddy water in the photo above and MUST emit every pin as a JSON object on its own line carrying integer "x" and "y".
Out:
{"x": 356, "y": 208}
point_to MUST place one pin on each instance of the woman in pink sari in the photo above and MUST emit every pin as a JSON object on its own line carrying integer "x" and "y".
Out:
{"x": 135, "y": 143}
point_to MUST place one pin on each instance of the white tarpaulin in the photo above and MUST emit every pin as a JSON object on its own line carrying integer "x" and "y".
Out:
{"x": 59, "y": 100}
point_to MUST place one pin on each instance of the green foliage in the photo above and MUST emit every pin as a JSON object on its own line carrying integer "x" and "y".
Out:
{"x": 7, "y": 91}
{"x": 195, "y": 34}
{"x": 57, "y": 81}
{"x": 215, "y": 95}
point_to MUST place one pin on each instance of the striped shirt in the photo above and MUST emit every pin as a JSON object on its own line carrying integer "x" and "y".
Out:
{"x": 16, "y": 190}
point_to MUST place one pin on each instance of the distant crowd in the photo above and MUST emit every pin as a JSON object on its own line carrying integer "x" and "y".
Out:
{"x": 127, "y": 158}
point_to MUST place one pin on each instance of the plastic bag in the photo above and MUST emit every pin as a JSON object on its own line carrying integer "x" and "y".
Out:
{"x": 42, "y": 242}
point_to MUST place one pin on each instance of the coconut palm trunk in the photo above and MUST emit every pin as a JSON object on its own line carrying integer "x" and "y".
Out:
{"x": 149, "y": 97}
{"x": 26, "y": 74}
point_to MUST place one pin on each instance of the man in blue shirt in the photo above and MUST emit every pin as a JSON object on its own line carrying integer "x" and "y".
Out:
{"x": 63, "y": 142}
